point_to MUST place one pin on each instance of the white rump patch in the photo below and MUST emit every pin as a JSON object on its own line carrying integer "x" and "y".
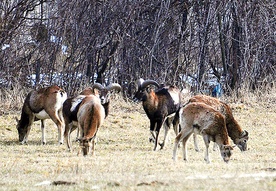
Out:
{"x": 60, "y": 97}
{"x": 76, "y": 101}
{"x": 42, "y": 115}
{"x": 174, "y": 96}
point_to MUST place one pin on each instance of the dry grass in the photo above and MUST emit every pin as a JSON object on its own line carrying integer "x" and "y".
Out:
{"x": 125, "y": 161}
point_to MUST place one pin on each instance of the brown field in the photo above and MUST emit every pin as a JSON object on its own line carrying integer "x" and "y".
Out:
{"x": 125, "y": 161}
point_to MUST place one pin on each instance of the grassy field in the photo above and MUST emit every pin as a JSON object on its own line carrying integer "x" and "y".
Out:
{"x": 125, "y": 161}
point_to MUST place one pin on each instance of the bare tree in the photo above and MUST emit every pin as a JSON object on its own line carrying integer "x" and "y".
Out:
{"x": 187, "y": 42}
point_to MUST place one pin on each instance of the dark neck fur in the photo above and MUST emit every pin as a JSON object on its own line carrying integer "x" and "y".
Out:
{"x": 106, "y": 108}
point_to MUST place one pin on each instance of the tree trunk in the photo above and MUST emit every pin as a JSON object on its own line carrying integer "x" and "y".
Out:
{"x": 236, "y": 52}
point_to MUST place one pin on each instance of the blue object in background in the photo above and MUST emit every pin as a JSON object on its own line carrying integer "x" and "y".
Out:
{"x": 217, "y": 92}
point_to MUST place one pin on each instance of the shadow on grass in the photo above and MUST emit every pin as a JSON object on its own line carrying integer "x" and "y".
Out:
{"x": 14, "y": 142}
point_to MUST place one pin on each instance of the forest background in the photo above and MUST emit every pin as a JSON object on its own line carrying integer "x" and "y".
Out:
{"x": 189, "y": 43}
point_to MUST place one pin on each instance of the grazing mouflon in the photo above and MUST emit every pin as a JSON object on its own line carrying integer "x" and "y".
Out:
{"x": 71, "y": 106}
{"x": 202, "y": 119}
{"x": 90, "y": 117}
{"x": 235, "y": 132}
{"x": 45, "y": 103}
